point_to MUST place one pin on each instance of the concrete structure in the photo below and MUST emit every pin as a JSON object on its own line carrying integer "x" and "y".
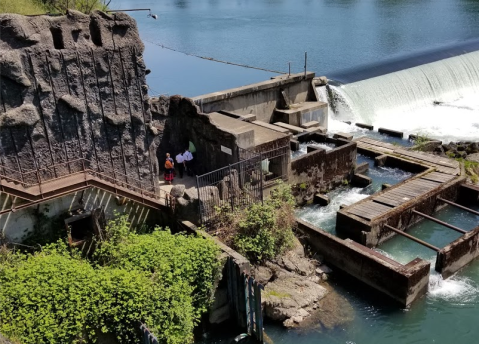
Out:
{"x": 294, "y": 94}
{"x": 458, "y": 254}
{"x": 403, "y": 283}
{"x": 321, "y": 170}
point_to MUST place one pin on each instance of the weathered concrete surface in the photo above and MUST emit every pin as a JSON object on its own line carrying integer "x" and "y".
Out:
{"x": 261, "y": 98}
{"x": 403, "y": 283}
{"x": 182, "y": 122}
{"x": 458, "y": 254}
{"x": 321, "y": 171}
{"x": 216, "y": 136}
{"x": 73, "y": 87}
{"x": 312, "y": 113}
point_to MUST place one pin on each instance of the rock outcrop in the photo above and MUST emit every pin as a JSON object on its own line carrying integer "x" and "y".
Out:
{"x": 71, "y": 88}
{"x": 292, "y": 289}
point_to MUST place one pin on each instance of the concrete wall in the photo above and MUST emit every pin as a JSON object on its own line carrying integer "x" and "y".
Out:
{"x": 458, "y": 254}
{"x": 178, "y": 121}
{"x": 16, "y": 225}
{"x": 74, "y": 87}
{"x": 468, "y": 194}
{"x": 373, "y": 233}
{"x": 260, "y": 99}
{"x": 322, "y": 170}
{"x": 403, "y": 283}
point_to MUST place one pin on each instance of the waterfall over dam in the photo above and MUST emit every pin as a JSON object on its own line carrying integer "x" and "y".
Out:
{"x": 437, "y": 99}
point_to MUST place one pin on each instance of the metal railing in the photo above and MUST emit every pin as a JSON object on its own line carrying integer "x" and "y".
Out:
{"x": 241, "y": 184}
{"x": 51, "y": 173}
{"x": 146, "y": 336}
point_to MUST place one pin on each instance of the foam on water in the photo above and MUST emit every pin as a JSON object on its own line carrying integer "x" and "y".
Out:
{"x": 325, "y": 216}
{"x": 303, "y": 148}
{"x": 454, "y": 289}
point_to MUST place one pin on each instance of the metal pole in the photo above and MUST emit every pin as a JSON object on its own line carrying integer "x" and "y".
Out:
{"x": 445, "y": 224}
{"x": 458, "y": 206}
{"x": 419, "y": 241}
{"x": 199, "y": 199}
{"x": 289, "y": 69}
{"x": 305, "y": 62}
{"x": 230, "y": 189}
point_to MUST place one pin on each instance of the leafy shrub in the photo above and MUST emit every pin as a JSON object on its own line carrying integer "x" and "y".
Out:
{"x": 56, "y": 296}
{"x": 265, "y": 230}
{"x": 173, "y": 257}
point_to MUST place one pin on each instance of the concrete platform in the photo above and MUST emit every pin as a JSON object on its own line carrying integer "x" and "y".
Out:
{"x": 310, "y": 124}
{"x": 249, "y": 135}
{"x": 271, "y": 127}
{"x": 292, "y": 128}
{"x": 301, "y": 113}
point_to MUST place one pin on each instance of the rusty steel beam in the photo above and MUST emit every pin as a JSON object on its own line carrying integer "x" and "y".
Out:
{"x": 445, "y": 224}
{"x": 458, "y": 206}
{"x": 419, "y": 241}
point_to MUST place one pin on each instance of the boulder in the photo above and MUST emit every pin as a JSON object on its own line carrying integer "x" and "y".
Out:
{"x": 288, "y": 294}
{"x": 191, "y": 194}
{"x": 294, "y": 263}
{"x": 177, "y": 190}
{"x": 262, "y": 274}
{"x": 473, "y": 157}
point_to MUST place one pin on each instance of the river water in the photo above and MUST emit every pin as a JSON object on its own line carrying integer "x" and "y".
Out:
{"x": 340, "y": 35}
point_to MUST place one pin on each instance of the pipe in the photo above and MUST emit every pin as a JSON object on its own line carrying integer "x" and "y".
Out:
{"x": 445, "y": 224}
{"x": 419, "y": 241}
{"x": 458, "y": 206}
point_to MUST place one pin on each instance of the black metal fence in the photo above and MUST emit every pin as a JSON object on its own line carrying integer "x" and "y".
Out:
{"x": 147, "y": 337}
{"x": 240, "y": 184}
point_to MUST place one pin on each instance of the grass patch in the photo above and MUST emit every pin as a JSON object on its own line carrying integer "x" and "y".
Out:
{"x": 275, "y": 293}
{"x": 420, "y": 141}
{"x": 21, "y": 7}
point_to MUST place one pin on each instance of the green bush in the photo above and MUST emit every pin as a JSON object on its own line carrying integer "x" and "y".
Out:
{"x": 265, "y": 230}
{"x": 173, "y": 257}
{"x": 160, "y": 279}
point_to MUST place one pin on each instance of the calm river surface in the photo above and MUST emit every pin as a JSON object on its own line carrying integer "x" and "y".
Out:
{"x": 338, "y": 35}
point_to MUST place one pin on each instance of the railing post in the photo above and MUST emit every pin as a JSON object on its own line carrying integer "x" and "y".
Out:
{"x": 261, "y": 176}
{"x": 39, "y": 180}
{"x": 229, "y": 190}
{"x": 199, "y": 199}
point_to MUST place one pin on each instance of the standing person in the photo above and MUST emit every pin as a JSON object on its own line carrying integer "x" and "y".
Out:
{"x": 188, "y": 157}
{"x": 180, "y": 160}
{"x": 169, "y": 169}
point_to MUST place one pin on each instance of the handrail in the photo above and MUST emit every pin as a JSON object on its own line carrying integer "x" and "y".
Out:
{"x": 86, "y": 168}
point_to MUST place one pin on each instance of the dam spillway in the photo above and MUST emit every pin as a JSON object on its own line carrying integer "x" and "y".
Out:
{"x": 423, "y": 99}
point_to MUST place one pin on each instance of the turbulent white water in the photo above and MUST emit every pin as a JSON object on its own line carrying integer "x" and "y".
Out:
{"x": 439, "y": 99}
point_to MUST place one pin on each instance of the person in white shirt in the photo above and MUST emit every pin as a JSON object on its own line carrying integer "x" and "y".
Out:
{"x": 188, "y": 158}
{"x": 180, "y": 163}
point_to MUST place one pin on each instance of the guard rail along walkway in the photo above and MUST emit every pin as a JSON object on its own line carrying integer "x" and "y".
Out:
{"x": 42, "y": 184}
